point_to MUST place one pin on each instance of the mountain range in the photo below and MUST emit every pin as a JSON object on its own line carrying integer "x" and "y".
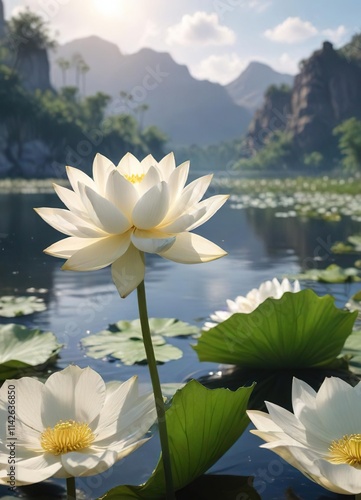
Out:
{"x": 188, "y": 110}
{"x": 249, "y": 88}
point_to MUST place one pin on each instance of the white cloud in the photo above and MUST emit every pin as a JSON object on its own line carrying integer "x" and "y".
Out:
{"x": 291, "y": 30}
{"x": 258, "y": 5}
{"x": 221, "y": 69}
{"x": 336, "y": 35}
{"x": 202, "y": 29}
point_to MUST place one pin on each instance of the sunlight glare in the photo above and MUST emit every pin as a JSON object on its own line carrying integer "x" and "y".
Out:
{"x": 109, "y": 7}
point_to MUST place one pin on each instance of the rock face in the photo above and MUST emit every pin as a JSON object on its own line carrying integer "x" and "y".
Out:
{"x": 274, "y": 115}
{"x": 325, "y": 92}
{"x": 2, "y": 20}
{"x": 33, "y": 68}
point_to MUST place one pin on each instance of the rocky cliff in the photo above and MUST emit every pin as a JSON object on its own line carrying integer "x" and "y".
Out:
{"x": 32, "y": 65}
{"x": 325, "y": 92}
{"x": 2, "y": 20}
{"x": 272, "y": 116}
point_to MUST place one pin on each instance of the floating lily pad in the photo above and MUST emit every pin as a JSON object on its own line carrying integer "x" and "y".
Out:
{"x": 341, "y": 247}
{"x": 166, "y": 327}
{"x": 354, "y": 303}
{"x": 352, "y": 352}
{"x": 22, "y": 349}
{"x": 202, "y": 425}
{"x": 332, "y": 274}
{"x": 11, "y": 306}
{"x": 352, "y": 245}
{"x": 124, "y": 340}
{"x": 298, "y": 330}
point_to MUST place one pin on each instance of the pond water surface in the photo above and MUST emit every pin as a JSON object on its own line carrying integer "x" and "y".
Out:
{"x": 259, "y": 247}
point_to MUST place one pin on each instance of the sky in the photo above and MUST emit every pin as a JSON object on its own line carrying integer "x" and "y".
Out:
{"x": 216, "y": 39}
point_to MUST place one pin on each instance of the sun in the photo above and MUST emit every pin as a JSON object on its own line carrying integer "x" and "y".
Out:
{"x": 108, "y": 7}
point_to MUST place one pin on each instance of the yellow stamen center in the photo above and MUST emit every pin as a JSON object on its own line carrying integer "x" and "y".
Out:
{"x": 134, "y": 178}
{"x": 66, "y": 437}
{"x": 346, "y": 450}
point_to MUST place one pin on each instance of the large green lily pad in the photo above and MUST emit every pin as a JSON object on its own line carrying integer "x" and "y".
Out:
{"x": 11, "y": 306}
{"x": 22, "y": 348}
{"x": 202, "y": 425}
{"x": 298, "y": 330}
{"x": 123, "y": 340}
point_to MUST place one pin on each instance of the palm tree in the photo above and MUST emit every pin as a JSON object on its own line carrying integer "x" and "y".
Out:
{"x": 64, "y": 65}
{"x": 76, "y": 62}
{"x": 83, "y": 68}
{"x": 140, "y": 112}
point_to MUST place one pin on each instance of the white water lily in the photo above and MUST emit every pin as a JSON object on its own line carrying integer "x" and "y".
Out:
{"x": 253, "y": 299}
{"x": 322, "y": 438}
{"x": 126, "y": 210}
{"x": 72, "y": 425}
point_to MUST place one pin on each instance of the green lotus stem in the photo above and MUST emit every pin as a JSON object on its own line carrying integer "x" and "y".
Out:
{"x": 358, "y": 496}
{"x": 159, "y": 403}
{"x": 70, "y": 488}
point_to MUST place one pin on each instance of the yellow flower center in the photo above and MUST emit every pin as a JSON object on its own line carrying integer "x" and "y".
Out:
{"x": 346, "y": 450}
{"x": 134, "y": 178}
{"x": 66, "y": 437}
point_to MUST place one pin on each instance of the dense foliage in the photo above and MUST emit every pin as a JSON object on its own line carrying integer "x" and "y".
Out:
{"x": 73, "y": 129}
{"x": 28, "y": 31}
{"x": 275, "y": 155}
{"x": 349, "y": 133}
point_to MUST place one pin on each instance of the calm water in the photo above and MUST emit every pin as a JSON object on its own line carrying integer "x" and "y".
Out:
{"x": 259, "y": 247}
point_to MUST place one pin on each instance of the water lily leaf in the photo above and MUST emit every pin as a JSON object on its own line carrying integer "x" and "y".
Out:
{"x": 354, "y": 303}
{"x": 124, "y": 340}
{"x": 202, "y": 425}
{"x": 22, "y": 348}
{"x": 332, "y": 274}
{"x": 341, "y": 247}
{"x": 167, "y": 327}
{"x": 352, "y": 352}
{"x": 296, "y": 331}
{"x": 353, "y": 245}
{"x": 355, "y": 240}
{"x": 11, "y": 306}
{"x": 129, "y": 348}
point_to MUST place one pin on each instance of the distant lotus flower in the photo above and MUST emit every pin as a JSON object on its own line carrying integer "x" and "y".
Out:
{"x": 73, "y": 425}
{"x": 322, "y": 438}
{"x": 253, "y": 299}
{"x": 126, "y": 210}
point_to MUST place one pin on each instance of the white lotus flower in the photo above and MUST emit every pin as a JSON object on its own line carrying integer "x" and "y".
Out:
{"x": 253, "y": 299}
{"x": 322, "y": 438}
{"x": 126, "y": 210}
{"x": 73, "y": 425}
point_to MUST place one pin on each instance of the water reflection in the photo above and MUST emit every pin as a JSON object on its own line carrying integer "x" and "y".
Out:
{"x": 260, "y": 247}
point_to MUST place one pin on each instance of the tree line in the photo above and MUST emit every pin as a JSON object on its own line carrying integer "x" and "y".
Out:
{"x": 68, "y": 122}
